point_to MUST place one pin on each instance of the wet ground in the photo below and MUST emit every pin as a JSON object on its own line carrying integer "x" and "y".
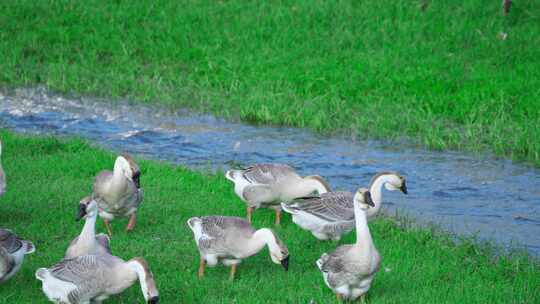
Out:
{"x": 469, "y": 195}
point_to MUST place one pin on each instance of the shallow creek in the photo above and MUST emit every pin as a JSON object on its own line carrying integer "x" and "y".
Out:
{"x": 479, "y": 195}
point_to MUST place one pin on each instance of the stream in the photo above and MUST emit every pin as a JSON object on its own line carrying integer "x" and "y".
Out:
{"x": 493, "y": 199}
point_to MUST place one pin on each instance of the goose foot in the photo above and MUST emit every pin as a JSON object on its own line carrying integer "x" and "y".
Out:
{"x": 132, "y": 221}
{"x": 202, "y": 265}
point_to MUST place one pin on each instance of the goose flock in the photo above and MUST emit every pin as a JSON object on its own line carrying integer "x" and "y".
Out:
{"x": 90, "y": 273}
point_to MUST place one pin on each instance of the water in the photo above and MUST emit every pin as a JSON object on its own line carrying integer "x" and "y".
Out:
{"x": 493, "y": 199}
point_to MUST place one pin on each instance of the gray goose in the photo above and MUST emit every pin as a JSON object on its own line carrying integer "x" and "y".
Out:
{"x": 88, "y": 242}
{"x": 331, "y": 214}
{"x": 267, "y": 185}
{"x": 12, "y": 252}
{"x": 350, "y": 269}
{"x": 232, "y": 239}
{"x": 94, "y": 278}
{"x": 118, "y": 192}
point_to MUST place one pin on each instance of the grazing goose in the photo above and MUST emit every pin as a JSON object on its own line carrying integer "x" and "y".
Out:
{"x": 2, "y": 174}
{"x": 94, "y": 278}
{"x": 350, "y": 269}
{"x": 118, "y": 192}
{"x": 331, "y": 214}
{"x": 231, "y": 239}
{"x": 12, "y": 252}
{"x": 267, "y": 185}
{"x": 88, "y": 242}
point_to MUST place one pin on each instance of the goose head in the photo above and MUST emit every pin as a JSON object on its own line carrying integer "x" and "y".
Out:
{"x": 279, "y": 253}
{"x": 363, "y": 199}
{"x": 87, "y": 208}
{"x": 392, "y": 181}
{"x": 129, "y": 168}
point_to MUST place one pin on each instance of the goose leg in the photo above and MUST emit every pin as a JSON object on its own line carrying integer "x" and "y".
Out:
{"x": 363, "y": 298}
{"x": 233, "y": 271}
{"x": 249, "y": 211}
{"x": 108, "y": 226}
{"x": 202, "y": 264}
{"x": 278, "y": 217}
{"x": 339, "y": 297}
{"x": 132, "y": 221}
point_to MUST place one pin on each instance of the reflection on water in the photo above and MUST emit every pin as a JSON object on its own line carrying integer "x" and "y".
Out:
{"x": 494, "y": 199}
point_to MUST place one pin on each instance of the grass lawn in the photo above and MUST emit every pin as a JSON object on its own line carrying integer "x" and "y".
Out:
{"x": 439, "y": 73}
{"x": 48, "y": 176}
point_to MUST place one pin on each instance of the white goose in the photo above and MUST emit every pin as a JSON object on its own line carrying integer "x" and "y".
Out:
{"x": 2, "y": 174}
{"x": 350, "y": 269}
{"x": 88, "y": 242}
{"x": 118, "y": 192}
{"x": 94, "y": 278}
{"x": 267, "y": 185}
{"x": 12, "y": 252}
{"x": 331, "y": 214}
{"x": 232, "y": 239}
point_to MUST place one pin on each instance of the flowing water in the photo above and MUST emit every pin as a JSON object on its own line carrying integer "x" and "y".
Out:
{"x": 492, "y": 199}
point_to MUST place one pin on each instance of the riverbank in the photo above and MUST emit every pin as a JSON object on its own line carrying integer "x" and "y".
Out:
{"x": 448, "y": 75}
{"x": 48, "y": 176}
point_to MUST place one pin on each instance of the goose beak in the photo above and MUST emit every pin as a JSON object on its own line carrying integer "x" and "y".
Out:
{"x": 137, "y": 179}
{"x": 81, "y": 213}
{"x": 403, "y": 188}
{"x": 369, "y": 200}
{"x": 153, "y": 300}
{"x": 285, "y": 263}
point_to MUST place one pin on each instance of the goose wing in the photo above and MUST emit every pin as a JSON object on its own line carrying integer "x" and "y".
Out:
{"x": 217, "y": 229}
{"x": 89, "y": 273}
{"x": 9, "y": 241}
{"x": 267, "y": 174}
{"x": 6, "y": 262}
{"x": 335, "y": 267}
{"x": 330, "y": 206}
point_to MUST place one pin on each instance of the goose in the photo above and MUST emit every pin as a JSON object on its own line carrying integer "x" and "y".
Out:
{"x": 232, "y": 239}
{"x": 331, "y": 214}
{"x": 350, "y": 269}
{"x": 2, "y": 174}
{"x": 88, "y": 242}
{"x": 94, "y": 278}
{"x": 118, "y": 192}
{"x": 266, "y": 185}
{"x": 12, "y": 252}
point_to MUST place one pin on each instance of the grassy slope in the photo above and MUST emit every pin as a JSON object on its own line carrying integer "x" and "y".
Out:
{"x": 378, "y": 68}
{"x": 47, "y": 177}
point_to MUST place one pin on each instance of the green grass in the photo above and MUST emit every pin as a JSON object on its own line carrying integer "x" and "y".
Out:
{"x": 383, "y": 69}
{"x": 48, "y": 176}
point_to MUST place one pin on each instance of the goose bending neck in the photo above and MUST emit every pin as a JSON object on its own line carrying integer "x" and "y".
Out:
{"x": 140, "y": 270}
{"x": 376, "y": 193}
{"x": 259, "y": 239}
{"x": 314, "y": 183}
{"x": 119, "y": 180}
